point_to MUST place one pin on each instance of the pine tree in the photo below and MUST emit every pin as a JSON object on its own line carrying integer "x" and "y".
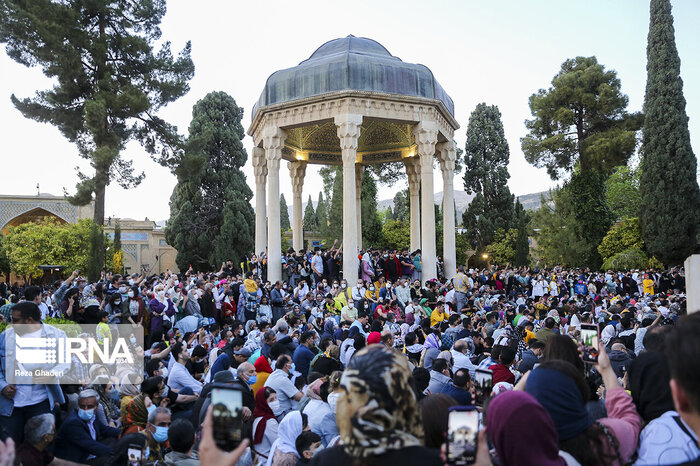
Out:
{"x": 486, "y": 158}
{"x": 310, "y": 219}
{"x": 108, "y": 81}
{"x": 389, "y": 215}
{"x": 285, "y": 224}
{"x": 670, "y": 216}
{"x": 211, "y": 219}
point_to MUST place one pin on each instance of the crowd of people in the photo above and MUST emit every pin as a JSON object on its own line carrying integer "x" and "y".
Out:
{"x": 365, "y": 373}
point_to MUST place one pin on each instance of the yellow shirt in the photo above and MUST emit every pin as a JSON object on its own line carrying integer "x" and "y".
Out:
{"x": 648, "y": 286}
{"x": 436, "y": 317}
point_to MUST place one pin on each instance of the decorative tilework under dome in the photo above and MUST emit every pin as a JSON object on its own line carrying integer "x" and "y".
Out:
{"x": 352, "y": 63}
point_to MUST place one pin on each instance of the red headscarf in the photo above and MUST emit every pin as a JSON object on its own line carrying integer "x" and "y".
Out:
{"x": 262, "y": 365}
{"x": 263, "y": 411}
{"x": 374, "y": 337}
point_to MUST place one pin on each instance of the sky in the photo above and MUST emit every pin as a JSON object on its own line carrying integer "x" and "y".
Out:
{"x": 499, "y": 52}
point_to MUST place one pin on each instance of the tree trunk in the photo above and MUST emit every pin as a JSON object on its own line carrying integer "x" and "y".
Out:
{"x": 99, "y": 215}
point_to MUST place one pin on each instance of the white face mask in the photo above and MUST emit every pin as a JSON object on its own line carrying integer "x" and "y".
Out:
{"x": 130, "y": 294}
{"x": 275, "y": 407}
{"x": 131, "y": 282}
{"x": 351, "y": 305}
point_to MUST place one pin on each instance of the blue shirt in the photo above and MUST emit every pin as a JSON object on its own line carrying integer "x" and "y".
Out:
{"x": 302, "y": 359}
{"x": 463, "y": 397}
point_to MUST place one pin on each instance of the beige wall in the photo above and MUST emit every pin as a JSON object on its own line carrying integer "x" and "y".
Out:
{"x": 143, "y": 243}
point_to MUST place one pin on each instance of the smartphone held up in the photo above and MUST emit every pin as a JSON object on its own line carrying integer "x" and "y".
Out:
{"x": 589, "y": 339}
{"x": 227, "y": 414}
{"x": 462, "y": 430}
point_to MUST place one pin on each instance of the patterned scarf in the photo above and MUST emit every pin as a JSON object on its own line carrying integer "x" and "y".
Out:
{"x": 388, "y": 418}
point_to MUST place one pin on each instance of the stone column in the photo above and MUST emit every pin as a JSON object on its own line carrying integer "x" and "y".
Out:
{"x": 260, "y": 169}
{"x": 273, "y": 141}
{"x": 692, "y": 282}
{"x": 426, "y": 138}
{"x": 413, "y": 173}
{"x": 448, "y": 155}
{"x": 359, "y": 170}
{"x": 297, "y": 171}
{"x": 348, "y": 133}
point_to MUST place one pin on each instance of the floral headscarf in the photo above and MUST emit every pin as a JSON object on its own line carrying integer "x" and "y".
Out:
{"x": 387, "y": 417}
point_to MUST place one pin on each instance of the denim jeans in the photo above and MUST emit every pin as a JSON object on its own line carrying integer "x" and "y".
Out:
{"x": 14, "y": 423}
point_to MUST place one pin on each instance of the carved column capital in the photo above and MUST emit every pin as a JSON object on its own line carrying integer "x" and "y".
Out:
{"x": 297, "y": 172}
{"x": 447, "y": 155}
{"x": 426, "y": 133}
{"x": 413, "y": 173}
{"x": 348, "y": 127}
{"x": 273, "y": 142}
{"x": 259, "y": 164}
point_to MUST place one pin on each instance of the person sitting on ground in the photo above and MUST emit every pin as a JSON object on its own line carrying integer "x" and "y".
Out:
{"x": 501, "y": 371}
{"x": 307, "y": 444}
{"x": 81, "y": 435}
{"x": 439, "y": 376}
{"x": 459, "y": 388}
{"x": 378, "y": 417}
{"x": 156, "y": 433}
{"x": 284, "y": 451}
{"x": 39, "y": 433}
{"x": 181, "y": 437}
{"x": 531, "y": 356}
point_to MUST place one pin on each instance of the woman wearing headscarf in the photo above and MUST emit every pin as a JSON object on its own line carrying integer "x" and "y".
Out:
{"x": 378, "y": 417}
{"x": 431, "y": 351}
{"x": 522, "y": 432}
{"x": 265, "y": 423}
{"x": 284, "y": 451}
{"x": 666, "y": 438}
{"x": 367, "y": 268}
{"x": 127, "y": 390}
{"x": 316, "y": 409}
{"x": 135, "y": 415}
{"x": 562, "y": 390}
{"x": 107, "y": 411}
{"x": 263, "y": 371}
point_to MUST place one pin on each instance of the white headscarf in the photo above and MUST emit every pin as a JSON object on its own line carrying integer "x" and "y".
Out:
{"x": 289, "y": 429}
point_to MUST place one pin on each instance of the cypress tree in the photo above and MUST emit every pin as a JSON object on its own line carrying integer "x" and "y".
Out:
{"x": 486, "y": 157}
{"x": 285, "y": 224}
{"x": 211, "y": 219}
{"x": 522, "y": 243}
{"x": 670, "y": 196}
{"x": 335, "y": 212}
{"x": 310, "y": 219}
{"x": 371, "y": 223}
{"x": 322, "y": 214}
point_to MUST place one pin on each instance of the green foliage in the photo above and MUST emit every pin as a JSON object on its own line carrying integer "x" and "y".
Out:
{"x": 71, "y": 328}
{"x": 285, "y": 224}
{"x": 402, "y": 205}
{"x": 462, "y": 246}
{"x": 5, "y": 267}
{"x": 632, "y": 258}
{"x": 621, "y": 237}
{"x": 590, "y": 211}
{"x": 486, "y": 157}
{"x": 396, "y": 234}
{"x": 322, "y": 214}
{"x": 502, "y": 250}
{"x": 670, "y": 218}
{"x": 522, "y": 244}
{"x": 211, "y": 219}
{"x": 581, "y": 120}
{"x": 622, "y": 193}
{"x": 335, "y": 212}
{"x": 554, "y": 229}
{"x": 371, "y": 223}
{"x": 47, "y": 242}
{"x": 108, "y": 81}
{"x": 310, "y": 218}
{"x": 388, "y": 215}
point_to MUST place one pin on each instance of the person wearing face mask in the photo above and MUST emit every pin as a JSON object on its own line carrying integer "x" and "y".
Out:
{"x": 265, "y": 423}
{"x": 280, "y": 382}
{"x": 246, "y": 379}
{"x": 156, "y": 433}
{"x": 83, "y": 437}
{"x": 161, "y": 307}
{"x": 136, "y": 307}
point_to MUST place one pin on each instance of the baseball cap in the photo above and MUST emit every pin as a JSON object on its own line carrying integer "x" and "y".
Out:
{"x": 243, "y": 352}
